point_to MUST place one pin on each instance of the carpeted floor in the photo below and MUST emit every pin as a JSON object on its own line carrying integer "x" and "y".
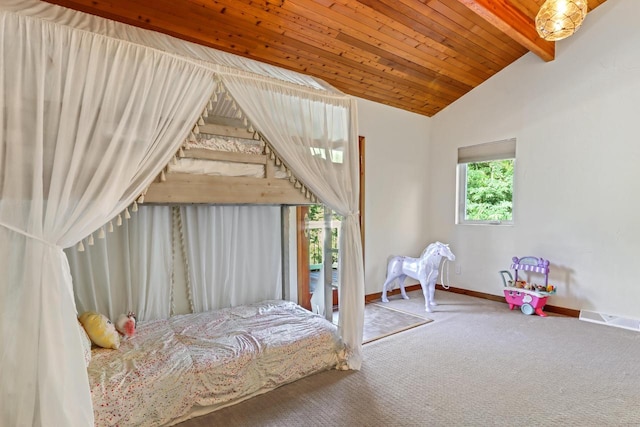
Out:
{"x": 476, "y": 364}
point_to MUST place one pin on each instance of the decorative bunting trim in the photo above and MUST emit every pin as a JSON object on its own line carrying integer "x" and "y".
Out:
{"x": 219, "y": 88}
{"x": 278, "y": 162}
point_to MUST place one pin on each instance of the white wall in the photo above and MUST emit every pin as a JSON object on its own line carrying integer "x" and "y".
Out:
{"x": 577, "y": 169}
{"x": 396, "y": 194}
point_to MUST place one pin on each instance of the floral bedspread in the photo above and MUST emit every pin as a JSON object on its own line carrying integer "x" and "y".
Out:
{"x": 208, "y": 360}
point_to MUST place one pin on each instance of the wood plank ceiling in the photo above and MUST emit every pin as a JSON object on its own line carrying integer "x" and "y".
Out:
{"x": 417, "y": 55}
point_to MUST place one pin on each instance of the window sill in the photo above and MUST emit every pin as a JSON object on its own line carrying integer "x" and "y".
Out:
{"x": 493, "y": 223}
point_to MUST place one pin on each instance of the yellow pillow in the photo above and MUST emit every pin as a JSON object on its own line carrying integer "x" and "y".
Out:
{"x": 100, "y": 329}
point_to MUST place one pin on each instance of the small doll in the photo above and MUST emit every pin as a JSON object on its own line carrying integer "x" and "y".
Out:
{"x": 126, "y": 324}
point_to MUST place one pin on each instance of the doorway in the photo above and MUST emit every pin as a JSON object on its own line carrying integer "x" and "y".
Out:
{"x": 310, "y": 244}
{"x": 311, "y": 253}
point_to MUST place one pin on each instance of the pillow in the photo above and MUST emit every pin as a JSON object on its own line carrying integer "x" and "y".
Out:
{"x": 86, "y": 344}
{"x": 100, "y": 329}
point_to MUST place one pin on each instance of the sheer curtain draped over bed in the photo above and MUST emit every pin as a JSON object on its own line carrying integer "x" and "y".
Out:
{"x": 316, "y": 137}
{"x": 90, "y": 112}
{"x": 130, "y": 270}
{"x": 227, "y": 251}
{"x": 86, "y": 123}
{"x": 239, "y": 249}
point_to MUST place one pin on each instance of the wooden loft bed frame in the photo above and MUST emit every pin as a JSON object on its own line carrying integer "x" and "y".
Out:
{"x": 215, "y": 189}
{"x": 190, "y": 188}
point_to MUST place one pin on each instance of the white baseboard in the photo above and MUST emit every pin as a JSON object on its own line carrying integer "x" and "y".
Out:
{"x": 606, "y": 319}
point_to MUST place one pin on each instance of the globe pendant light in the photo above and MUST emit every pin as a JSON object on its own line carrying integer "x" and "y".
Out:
{"x": 558, "y": 19}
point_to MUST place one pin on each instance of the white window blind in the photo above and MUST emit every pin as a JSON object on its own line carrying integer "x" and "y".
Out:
{"x": 505, "y": 149}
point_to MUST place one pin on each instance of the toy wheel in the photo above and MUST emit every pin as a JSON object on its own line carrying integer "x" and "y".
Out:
{"x": 527, "y": 309}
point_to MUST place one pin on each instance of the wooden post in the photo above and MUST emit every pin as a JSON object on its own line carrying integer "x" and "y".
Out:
{"x": 286, "y": 277}
{"x": 328, "y": 266}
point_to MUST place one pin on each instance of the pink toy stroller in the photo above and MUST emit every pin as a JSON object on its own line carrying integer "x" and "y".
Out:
{"x": 530, "y": 298}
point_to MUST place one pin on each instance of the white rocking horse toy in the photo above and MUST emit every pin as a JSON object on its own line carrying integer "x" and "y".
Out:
{"x": 424, "y": 269}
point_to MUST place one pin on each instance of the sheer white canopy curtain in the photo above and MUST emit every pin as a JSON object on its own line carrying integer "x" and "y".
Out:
{"x": 316, "y": 136}
{"x": 233, "y": 254}
{"x": 130, "y": 269}
{"x": 86, "y": 122}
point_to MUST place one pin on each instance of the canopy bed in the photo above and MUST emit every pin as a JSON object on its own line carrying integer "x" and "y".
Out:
{"x": 92, "y": 113}
{"x": 191, "y": 364}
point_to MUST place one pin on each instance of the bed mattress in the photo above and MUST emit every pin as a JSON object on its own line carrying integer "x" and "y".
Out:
{"x": 196, "y": 363}
{"x": 216, "y": 167}
{"x": 218, "y": 143}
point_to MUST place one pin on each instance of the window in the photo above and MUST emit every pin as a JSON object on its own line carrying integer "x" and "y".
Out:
{"x": 485, "y": 183}
{"x": 336, "y": 155}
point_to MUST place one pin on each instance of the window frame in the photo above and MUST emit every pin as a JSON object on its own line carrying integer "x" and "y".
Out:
{"x": 483, "y": 153}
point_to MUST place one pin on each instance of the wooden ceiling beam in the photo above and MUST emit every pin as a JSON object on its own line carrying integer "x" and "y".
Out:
{"x": 510, "y": 20}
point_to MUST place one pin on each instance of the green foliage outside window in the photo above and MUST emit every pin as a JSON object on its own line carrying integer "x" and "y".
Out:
{"x": 489, "y": 191}
{"x": 316, "y": 213}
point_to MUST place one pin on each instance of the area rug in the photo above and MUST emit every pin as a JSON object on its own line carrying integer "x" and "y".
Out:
{"x": 381, "y": 321}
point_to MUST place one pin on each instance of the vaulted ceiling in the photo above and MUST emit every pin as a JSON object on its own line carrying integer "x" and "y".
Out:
{"x": 417, "y": 55}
